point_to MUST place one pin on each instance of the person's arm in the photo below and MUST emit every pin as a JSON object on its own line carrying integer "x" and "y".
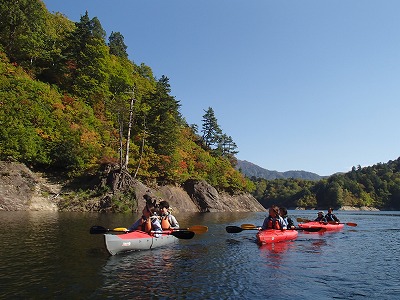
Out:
{"x": 265, "y": 224}
{"x": 174, "y": 223}
{"x": 282, "y": 223}
{"x": 290, "y": 223}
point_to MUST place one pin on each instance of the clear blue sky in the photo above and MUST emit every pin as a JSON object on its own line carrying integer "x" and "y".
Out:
{"x": 298, "y": 84}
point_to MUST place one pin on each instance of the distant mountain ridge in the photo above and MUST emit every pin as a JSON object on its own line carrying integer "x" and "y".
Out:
{"x": 249, "y": 170}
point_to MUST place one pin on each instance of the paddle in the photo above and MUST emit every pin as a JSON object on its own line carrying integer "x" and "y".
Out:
{"x": 236, "y": 229}
{"x": 314, "y": 229}
{"x": 197, "y": 229}
{"x": 100, "y": 230}
{"x": 180, "y": 234}
{"x": 330, "y": 222}
{"x": 348, "y": 223}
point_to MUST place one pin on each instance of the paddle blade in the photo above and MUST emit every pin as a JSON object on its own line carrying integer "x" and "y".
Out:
{"x": 233, "y": 229}
{"x": 183, "y": 234}
{"x": 302, "y": 220}
{"x": 198, "y": 229}
{"x": 97, "y": 230}
{"x": 248, "y": 226}
{"x": 120, "y": 229}
{"x": 351, "y": 224}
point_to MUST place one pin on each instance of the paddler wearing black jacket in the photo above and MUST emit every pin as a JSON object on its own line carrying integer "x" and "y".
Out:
{"x": 320, "y": 217}
{"x": 330, "y": 216}
{"x": 287, "y": 220}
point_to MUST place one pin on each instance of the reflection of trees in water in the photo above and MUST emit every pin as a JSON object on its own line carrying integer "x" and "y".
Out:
{"x": 189, "y": 219}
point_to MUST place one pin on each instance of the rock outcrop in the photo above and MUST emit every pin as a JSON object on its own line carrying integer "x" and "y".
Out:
{"x": 22, "y": 189}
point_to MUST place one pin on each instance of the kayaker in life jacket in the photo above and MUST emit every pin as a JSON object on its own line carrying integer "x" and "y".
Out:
{"x": 330, "y": 216}
{"x": 287, "y": 220}
{"x": 149, "y": 221}
{"x": 320, "y": 217}
{"x": 274, "y": 220}
{"x": 168, "y": 221}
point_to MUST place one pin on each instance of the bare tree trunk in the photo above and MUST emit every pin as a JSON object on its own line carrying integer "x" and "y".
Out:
{"x": 121, "y": 136}
{"x": 125, "y": 166}
{"x": 142, "y": 150}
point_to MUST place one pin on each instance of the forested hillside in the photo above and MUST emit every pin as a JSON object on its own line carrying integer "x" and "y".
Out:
{"x": 72, "y": 101}
{"x": 374, "y": 186}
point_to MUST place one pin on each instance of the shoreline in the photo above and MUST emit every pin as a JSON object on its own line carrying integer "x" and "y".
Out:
{"x": 344, "y": 208}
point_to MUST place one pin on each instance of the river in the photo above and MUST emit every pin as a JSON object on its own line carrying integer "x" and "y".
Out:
{"x": 50, "y": 255}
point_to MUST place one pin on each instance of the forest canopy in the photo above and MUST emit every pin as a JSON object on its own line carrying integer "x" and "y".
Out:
{"x": 73, "y": 101}
{"x": 374, "y": 186}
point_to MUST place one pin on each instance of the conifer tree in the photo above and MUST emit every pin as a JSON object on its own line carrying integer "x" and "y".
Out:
{"x": 163, "y": 118}
{"x": 117, "y": 45}
{"x": 210, "y": 129}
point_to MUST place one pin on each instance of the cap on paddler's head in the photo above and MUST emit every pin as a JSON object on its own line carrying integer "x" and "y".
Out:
{"x": 320, "y": 212}
{"x": 147, "y": 197}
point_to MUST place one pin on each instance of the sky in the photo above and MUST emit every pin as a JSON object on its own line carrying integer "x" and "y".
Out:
{"x": 306, "y": 85}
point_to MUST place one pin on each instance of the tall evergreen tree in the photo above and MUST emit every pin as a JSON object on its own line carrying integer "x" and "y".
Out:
{"x": 117, "y": 45}
{"x": 88, "y": 61}
{"x": 163, "y": 118}
{"x": 227, "y": 145}
{"x": 210, "y": 129}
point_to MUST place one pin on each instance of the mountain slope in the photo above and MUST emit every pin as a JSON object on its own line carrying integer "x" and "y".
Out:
{"x": 249, "y": 170}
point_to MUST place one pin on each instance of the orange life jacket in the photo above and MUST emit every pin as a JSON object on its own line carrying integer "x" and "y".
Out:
{"x": 273, "y": 224}
{"x": 165, "y": 224}
{"x": 145, "y": 225}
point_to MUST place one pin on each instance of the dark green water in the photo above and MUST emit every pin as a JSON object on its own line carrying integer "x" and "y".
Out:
{"x": 52, "y": 256}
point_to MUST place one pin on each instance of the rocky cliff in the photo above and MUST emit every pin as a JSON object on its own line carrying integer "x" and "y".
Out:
{"x": 23, "y": 189}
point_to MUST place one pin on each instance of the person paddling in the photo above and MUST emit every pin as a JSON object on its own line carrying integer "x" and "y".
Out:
{"x": 330, "y": 216}
{"x": 320, "y": 217}
{"x": 274, "y": 220}
{"x": 149, "y": 221}
{"x": 287, "y": 220}
{"x": 168, "y": 221}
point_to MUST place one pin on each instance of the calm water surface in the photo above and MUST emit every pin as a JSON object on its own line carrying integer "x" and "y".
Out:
{"x": 52, "y": 256}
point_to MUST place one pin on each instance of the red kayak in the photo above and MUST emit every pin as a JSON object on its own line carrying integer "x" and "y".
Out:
{"x": 326, "y": 226}
{"x": 274, "y": 236}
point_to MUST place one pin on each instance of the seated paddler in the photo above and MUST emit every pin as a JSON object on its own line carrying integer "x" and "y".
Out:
{"x": 149, "y": 222}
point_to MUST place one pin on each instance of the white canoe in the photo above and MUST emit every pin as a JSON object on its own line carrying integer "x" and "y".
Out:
{"x": 136, "y": 240}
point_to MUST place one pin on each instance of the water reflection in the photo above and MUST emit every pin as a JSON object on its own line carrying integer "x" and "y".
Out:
{"x": 278, "y": 248}
{"x": 53, "y": 256}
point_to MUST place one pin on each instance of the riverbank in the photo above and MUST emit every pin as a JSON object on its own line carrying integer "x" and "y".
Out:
{"x": 23, "y": 189}
{"x": 362, "y": 208}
